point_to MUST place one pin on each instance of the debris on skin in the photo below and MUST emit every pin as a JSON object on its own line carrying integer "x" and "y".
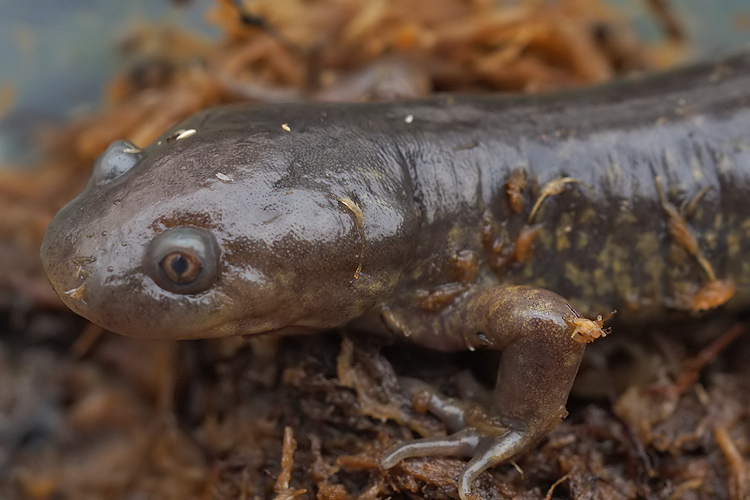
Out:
{"x": 586, "y": 330}
{"x": 87, "y": 414}
{"x": 184, "y": 134}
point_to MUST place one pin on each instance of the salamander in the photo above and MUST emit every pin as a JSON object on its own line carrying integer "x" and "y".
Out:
{"x": 457, "y": 222}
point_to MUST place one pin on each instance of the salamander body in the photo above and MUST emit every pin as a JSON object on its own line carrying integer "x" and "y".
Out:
{"x": 458, "y": 222}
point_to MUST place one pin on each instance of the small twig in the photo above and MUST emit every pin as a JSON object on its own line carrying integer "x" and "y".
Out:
{"x": 551, "y": 489}
{"x": 670, "y": 23}
{"x": 635, "y": 440}
{"x": 261, "y": 23}
{"x": 696, "y": 365}
{"x": 86, "y": 340}
{"x": 735, "y": 462}
{"x": 281, "y": 488}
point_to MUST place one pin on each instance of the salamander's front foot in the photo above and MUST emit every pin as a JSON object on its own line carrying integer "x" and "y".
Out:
{"x": 485, "y": 452}
{"x": 542, "y": 338}
{"x": 479, "y": 436}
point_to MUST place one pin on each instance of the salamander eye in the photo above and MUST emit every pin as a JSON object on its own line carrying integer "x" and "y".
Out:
{"x": 183, "y": 260}
{"x": 180, "y": 267}
{"x": 119, "y": 157}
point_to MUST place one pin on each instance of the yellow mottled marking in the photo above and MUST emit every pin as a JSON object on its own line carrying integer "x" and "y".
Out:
{"x": 602, "y": 283}
{"x": 587, "y": 215}
{"x": 575, "y": 275}
{"x": 647, "y": 247}
{"x": 625, "y": 218}
{"x": 543, "y": 240}
{"x": 563, "y": 230}
{"x": 719, "y": 221}
{"x": 710, "y": 238}
{"x": 583, "y": 239}
{"x": 734, "y": 242}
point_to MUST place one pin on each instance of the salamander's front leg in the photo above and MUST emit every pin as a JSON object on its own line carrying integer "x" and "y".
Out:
{"x": 542, "y": 338}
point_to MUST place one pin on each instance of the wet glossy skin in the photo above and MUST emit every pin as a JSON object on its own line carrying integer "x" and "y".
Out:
{"x": 416, "y": 218}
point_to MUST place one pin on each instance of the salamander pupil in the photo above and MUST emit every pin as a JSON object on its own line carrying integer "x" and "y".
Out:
{"x": 179, "y": 264}
{"x": 181, "y": 268}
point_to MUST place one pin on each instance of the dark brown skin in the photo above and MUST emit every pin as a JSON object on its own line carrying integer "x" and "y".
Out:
{"x": 421, "y": 218}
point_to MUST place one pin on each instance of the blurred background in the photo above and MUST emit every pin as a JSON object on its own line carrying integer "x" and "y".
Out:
{"x": 55, "y": 57}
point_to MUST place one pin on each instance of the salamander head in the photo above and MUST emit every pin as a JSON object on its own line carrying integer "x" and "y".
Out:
{"x": 204, "y": 235}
